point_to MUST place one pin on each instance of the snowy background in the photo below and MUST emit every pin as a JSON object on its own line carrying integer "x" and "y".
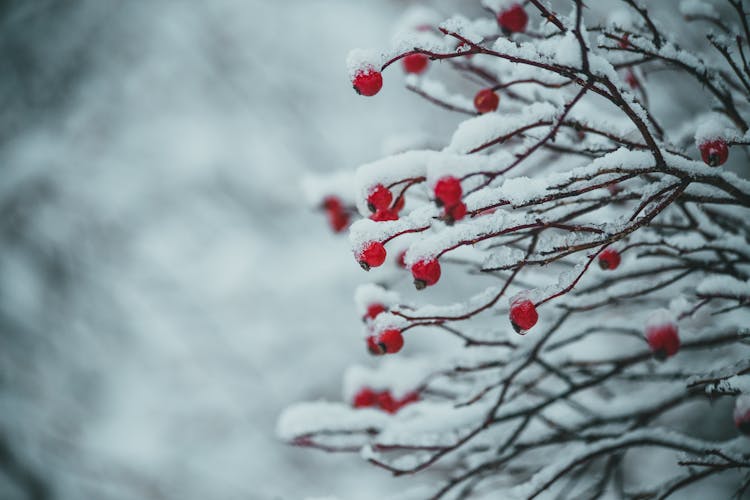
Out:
{"x": 164, "y": 293}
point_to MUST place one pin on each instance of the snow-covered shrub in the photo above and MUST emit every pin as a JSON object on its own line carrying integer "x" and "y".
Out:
{"x": 593, "y": 200}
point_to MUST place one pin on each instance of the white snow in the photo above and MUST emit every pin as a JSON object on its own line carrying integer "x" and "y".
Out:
{"x": 364, "y": 60}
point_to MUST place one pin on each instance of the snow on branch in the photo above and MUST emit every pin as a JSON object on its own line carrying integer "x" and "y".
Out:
{"x": 586, "y": 247}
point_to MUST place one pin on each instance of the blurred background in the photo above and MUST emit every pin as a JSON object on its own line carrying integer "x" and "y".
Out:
{"x": 164, "y": 294}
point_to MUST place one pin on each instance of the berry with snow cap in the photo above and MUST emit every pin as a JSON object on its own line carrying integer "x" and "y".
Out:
{"x": 486, "y": 101}
{"x": 367, "y": 82}
{"x": 513, "y": 19}
{"x": 742, "y": 414}
{"x": 390, "y": 341}
{"x": 523, "y": 315}
{"x": 379, "y": 198}
{"x": 373, "y": 310}
{"x": 609, "y": 259}
{"x": 415, "y": 63}
{"x": 662, "y": 334}
{"x": 714, "y": 153}
{"x": 372, "y": 255}
{"x": 426, "y": 273}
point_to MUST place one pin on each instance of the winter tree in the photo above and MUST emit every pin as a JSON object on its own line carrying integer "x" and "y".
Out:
{"x": 560, "y": 289}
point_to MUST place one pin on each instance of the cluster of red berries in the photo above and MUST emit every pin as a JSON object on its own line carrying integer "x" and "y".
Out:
{"x": 368, "y": 81}
{"x": 513, "y": 19}
{"x": 388, "y": 341}
{"x": 523, "y": 314}
{"x": 368, "y": 398}
{"x": 448, "y": 194}
{"x": 379, "y": 202}
{"x": 663, "y": 339}
{"x": 338, "y": 217}
{"x": 714, "y": 153}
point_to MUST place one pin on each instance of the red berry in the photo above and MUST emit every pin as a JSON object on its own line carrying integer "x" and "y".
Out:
{"x": 380, "y": 198}
{"x": 663, "y": 340}
{"x": 742, "y": 414}
{"x": 513, "y": 19}
{"x": 410, "y": 397}
{"x": 624, "y": 42}
{"x": 365, "y": 398}
{"x": 390, "y": 341}
{"x": 400, "y": 260}
{"x": 448, "y": 191}
{"x": 415, "y": 63}
{"x": 338, "y": 220}
{"x": 332, "y": 203}
{"x": 631, "y": 80}
{"x": 456, "y": 212}
{"x": 373, "y": 347}
{"x": 367, "y": 82}
{"x": 383, "y": 215}
{"x": 714, "y": 153}
{"x": 486, "y": 101}
{"x": 426, "y": 273}
{"x": 387, "y": 403}
{"x": 372, "y": 255}
{"x": 609, "y": 259}
{"x": 374, "y": 309}
{"x": 523, "y": 315}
